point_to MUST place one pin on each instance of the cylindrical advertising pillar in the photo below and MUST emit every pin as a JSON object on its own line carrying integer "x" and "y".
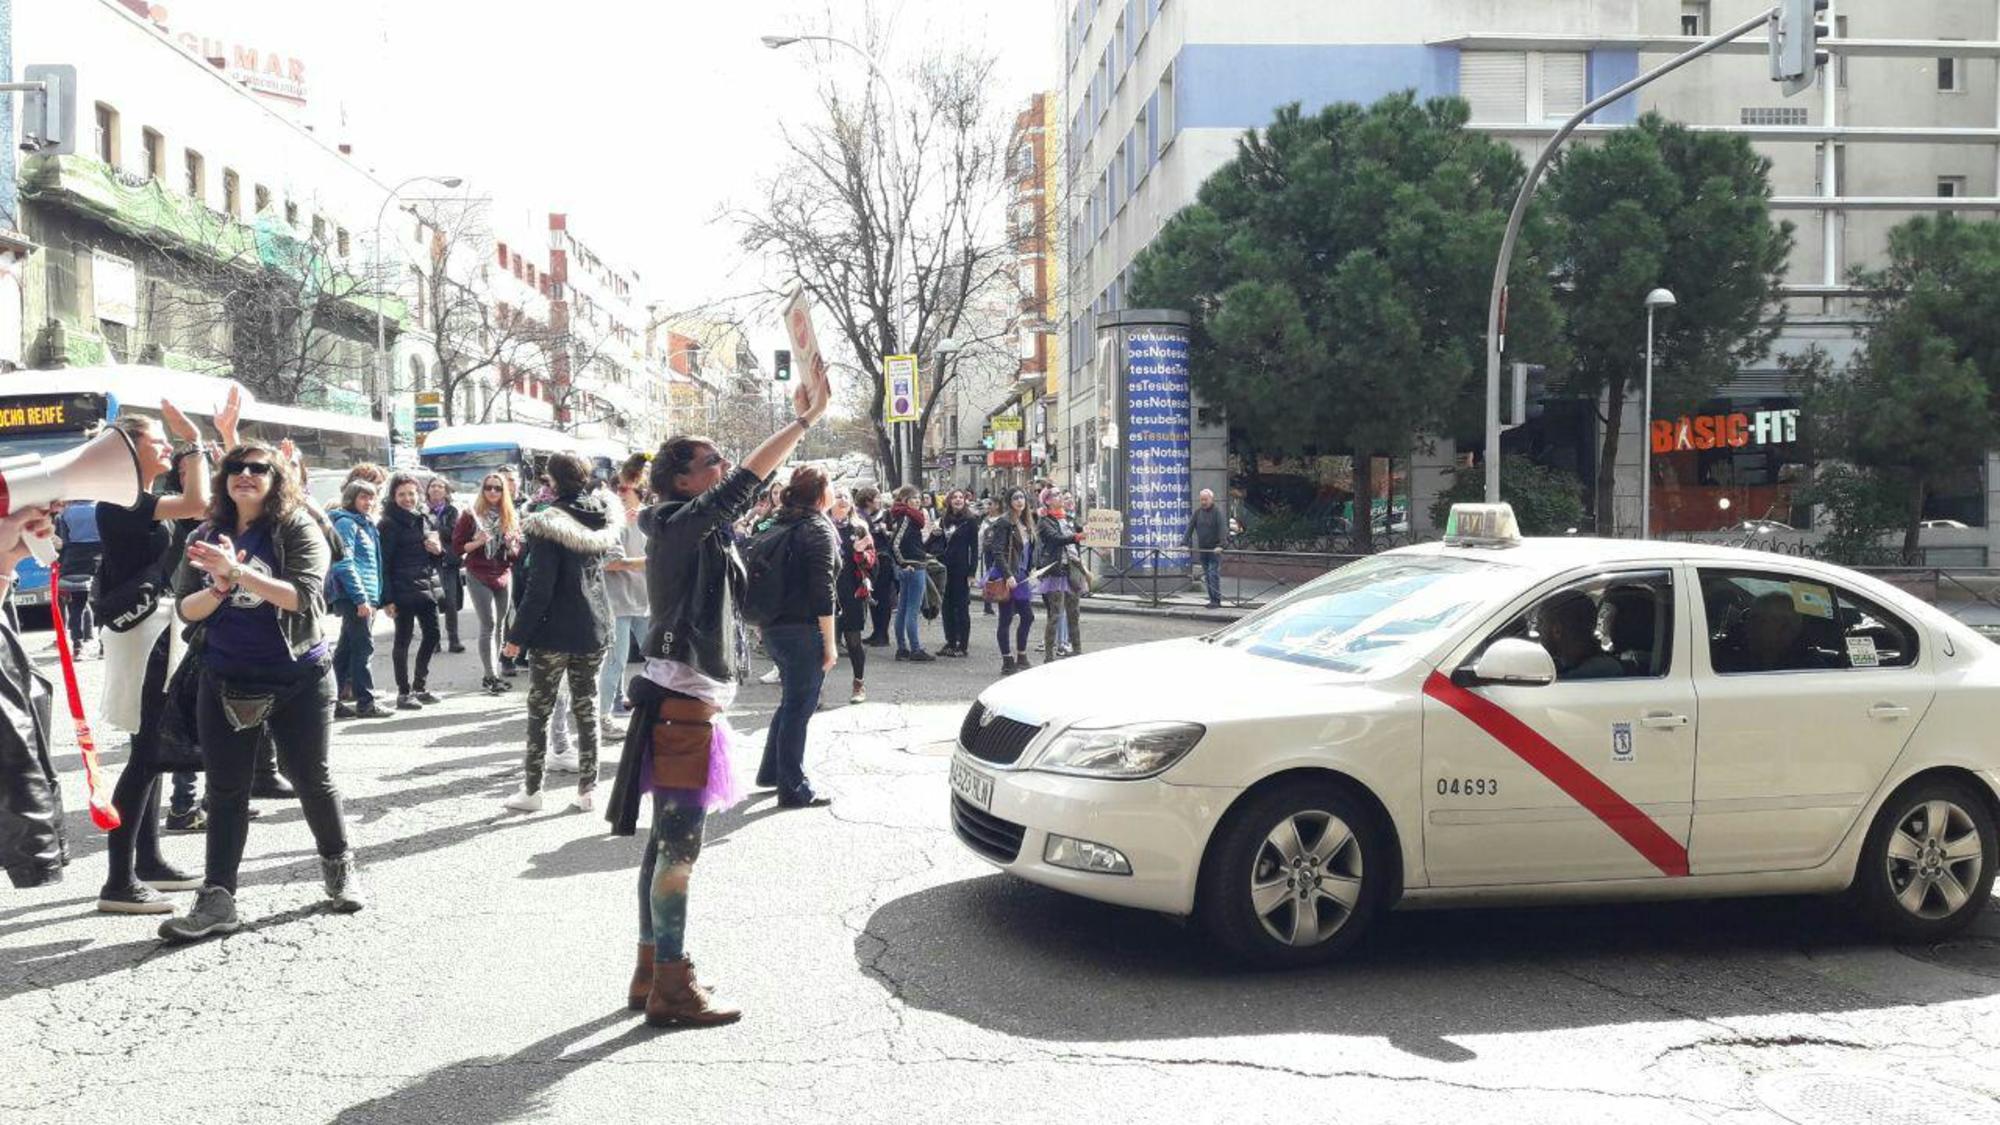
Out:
{"x": 1145, "y": 434}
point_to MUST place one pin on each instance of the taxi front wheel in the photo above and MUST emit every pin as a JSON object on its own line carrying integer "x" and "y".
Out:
{"x": 1294, "y": 876}
{"x": 1927, "y": 865}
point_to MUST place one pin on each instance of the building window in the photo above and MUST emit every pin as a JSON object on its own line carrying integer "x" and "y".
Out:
{"x": 341, "y": 243}
{"x": 1510, "y": 87}
{"x": 1773, "y": 115}
{"x": 1168, "y": 114}
{"x": 319, "y": 228}
{"x": 232, "y": 194}
{"x": 1694, "y": 17}
{"x": 156, "y": 155}
{"x": 262, "y": 198}
{"x": 1950, "y": 75}
{"x": 291, "y": 213}
{"x": 503, "y": 255}
{"x": 107, "y": 134}
{"x": 197, "y": 176}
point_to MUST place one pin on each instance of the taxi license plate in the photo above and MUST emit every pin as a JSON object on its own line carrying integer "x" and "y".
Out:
{"x": 969, "y": 783}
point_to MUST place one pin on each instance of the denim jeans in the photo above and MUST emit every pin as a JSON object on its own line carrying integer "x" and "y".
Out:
{"x": 799, "y": 651}
{"x": 678, "y": 819}
{"x": 624, "y": 630}
{"x": 910, "y": 585}
{"x": 352, "y": 654}
{"x": 300, "y": 725}
{"x": 1211, "y": 575}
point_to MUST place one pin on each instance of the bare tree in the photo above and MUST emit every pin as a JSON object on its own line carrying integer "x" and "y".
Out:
{"x": 477, "y": 339}
{"x": 280, "y": 310}
{"x": 861, "y": 187}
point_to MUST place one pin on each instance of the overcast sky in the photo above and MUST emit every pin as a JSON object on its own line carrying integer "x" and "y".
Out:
{"x": 641, "y": 119}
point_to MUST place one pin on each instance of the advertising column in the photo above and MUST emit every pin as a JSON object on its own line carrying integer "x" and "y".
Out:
{"x": 1145, "y": 435}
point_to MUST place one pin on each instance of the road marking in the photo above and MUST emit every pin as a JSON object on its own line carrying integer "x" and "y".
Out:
{"x": 1583, "y": 787}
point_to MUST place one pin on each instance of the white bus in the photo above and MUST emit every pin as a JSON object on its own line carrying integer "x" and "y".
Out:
{"x": 464, "y": 454}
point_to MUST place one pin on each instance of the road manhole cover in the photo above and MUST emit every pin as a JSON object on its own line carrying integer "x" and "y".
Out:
{"x": 1823, "y": 1097}
{"x": 1978, "y": 955}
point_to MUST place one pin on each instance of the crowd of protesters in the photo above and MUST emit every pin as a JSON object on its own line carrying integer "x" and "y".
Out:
{"x": 207, "y": 601}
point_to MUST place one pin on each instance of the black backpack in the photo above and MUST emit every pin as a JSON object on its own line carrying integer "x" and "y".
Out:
{"x": 767, "y": 558}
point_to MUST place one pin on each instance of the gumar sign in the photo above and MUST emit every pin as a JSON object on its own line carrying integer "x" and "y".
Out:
{"x": 1725, "y": 431}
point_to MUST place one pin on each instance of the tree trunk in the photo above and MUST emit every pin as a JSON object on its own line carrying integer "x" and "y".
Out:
{"x": 1361, "y": 531}
{"x": 886, "y": 446}
{"x": 1607, "y": 460}
{"x": 1914, "y": 527}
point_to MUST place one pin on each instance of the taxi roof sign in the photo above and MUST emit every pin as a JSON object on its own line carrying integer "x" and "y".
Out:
{"x": 1481, "y": 525}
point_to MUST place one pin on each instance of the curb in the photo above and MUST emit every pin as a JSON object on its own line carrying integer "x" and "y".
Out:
{"x": 1196, "y": 613}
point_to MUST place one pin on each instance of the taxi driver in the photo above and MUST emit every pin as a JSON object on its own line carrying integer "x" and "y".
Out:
{"x": 1568, "y": 627}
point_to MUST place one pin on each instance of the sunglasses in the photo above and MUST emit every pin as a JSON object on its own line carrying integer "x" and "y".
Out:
{"x": 254, "y": 468}
{"x": 493, "y": 488}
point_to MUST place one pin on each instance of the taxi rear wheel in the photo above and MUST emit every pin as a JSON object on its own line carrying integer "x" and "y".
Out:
{"x": 1295, "y": 876}
{"x": 1928, "y": 863}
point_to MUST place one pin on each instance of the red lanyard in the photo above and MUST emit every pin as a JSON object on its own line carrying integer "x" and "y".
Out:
{"x": 101, "y": 811}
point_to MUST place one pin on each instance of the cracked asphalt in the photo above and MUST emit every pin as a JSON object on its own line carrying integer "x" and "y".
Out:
{"x": 888, "y": 975}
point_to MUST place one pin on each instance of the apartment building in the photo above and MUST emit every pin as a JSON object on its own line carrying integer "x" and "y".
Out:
{"x": 1905, "y": 122}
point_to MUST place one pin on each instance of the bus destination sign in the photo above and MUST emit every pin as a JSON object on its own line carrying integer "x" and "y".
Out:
{"x": 50, "y": 414}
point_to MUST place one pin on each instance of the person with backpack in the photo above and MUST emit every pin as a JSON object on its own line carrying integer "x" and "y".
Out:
{"x": 563, "y": 621}
{"x": 678, "y": 745}
{"x": 790, "y": 596}
{"x": 907, "y": 522}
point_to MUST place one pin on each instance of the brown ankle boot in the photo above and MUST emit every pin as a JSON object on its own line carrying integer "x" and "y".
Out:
{"x": 676, "y": 998}
{"x": 642, "y": 979}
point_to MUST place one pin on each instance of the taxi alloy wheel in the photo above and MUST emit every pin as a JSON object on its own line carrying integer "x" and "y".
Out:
{"x": 1927, "y": 866}
{"x": 1294, "y": 875}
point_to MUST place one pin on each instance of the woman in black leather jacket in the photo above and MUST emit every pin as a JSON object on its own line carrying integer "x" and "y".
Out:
{"x": 677, "y": 745}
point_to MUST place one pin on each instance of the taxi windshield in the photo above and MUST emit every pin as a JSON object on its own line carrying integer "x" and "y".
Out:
{"x": 1372, "y": 614}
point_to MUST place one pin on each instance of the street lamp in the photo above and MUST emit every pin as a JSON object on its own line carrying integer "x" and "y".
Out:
{"x": 897, "y": 242}
{"x": 386, "y": 375}
{"x": 1656, "y": 300}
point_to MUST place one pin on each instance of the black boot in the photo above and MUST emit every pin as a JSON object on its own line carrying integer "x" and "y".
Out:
{"x": 1007, "y": 665}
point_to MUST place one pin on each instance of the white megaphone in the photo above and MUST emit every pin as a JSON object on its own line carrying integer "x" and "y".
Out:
{"x": 104, "y": 468}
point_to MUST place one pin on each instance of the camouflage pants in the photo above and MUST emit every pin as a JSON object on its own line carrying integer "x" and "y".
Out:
{"x": 546, "y": 673}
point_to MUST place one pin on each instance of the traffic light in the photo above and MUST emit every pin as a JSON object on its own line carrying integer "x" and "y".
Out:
{"x": 1528, "y": 391}
{"x": 1795, "y": 51}
{"x": 781, "y": 364}
{"x": 48, "y": 116}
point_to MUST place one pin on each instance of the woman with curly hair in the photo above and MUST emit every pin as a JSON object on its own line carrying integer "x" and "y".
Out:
{"x": 252, "y": 583}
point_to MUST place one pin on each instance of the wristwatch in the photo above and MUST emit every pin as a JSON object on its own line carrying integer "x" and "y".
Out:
{"x": 235, "y": 574}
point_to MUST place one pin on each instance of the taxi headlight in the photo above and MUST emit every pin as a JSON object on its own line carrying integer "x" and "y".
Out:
{"x": 1121, "y": 753}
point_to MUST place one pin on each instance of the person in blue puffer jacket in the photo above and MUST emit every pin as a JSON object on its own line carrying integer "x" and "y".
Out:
{"x": 354, "y": 591}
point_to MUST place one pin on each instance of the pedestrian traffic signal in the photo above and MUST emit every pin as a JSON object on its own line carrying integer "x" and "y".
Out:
{"x": 781, "y": 364}
{"x": 1527, "y": 390}
{"x": 1795, "y": 52}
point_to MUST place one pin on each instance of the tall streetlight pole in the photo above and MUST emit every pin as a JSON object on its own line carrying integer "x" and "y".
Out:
{"x": 387, "y": 370}
{"x": 897, "y": 241}
{"x": 1656, "y": 300}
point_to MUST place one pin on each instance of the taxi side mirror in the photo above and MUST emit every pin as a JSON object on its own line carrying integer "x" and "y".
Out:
{"x": 1512, "y": 661}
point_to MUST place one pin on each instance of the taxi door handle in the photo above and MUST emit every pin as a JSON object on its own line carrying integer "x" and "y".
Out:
{"x": 1887, "y": 711}
{"x": 1662, "y": 720}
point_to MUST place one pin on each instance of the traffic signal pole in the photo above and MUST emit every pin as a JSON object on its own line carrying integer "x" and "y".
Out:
{"x": 1788, "y": 16}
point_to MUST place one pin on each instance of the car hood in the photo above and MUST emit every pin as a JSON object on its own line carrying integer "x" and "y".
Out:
{"x": 1187, "y": 680}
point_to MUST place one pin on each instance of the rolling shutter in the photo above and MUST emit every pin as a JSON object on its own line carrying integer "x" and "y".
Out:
{"x": 1563, "y": 85}
{"x": 1495, "y": 83}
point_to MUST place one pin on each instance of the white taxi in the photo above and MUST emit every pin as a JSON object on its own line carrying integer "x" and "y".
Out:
{"x": 1499, "y": 719}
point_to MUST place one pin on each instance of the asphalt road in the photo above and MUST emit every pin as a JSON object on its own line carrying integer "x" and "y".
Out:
{"x": 887, "y": 975}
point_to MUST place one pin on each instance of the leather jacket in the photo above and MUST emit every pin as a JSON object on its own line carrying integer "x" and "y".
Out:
{"x": 694, "y": 576}
{"x": 32, "y": 845}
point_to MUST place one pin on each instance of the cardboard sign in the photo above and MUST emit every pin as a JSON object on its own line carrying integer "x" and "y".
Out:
{"x": 799, "y": 327}
{"x": 1104, "y": 527}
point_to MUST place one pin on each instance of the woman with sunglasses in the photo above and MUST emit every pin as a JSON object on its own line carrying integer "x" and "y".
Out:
{"x": 488, "y": 538}
{"x": 677, "y": 746}
{"x": 252, "y": 583}
{"x": 411, "y": 549}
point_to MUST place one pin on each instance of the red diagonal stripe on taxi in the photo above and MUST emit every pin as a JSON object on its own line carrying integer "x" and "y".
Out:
{"x": 1583, "y": 787}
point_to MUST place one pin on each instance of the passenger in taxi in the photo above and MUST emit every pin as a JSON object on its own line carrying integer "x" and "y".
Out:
{"x": 1773, "y": 639}
{"x": 1567, "y": 624}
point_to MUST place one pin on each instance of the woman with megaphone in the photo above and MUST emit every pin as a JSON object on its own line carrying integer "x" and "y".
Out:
{"x": 252, "y": 585}
{"x": 131, "y": 582}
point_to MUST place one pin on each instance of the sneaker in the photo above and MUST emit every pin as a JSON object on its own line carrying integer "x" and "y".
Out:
{"x": 408, "y": 703}
{"x": 373, "y": 710}
{"x": 167, "y": 877}
{"x": 877, "y": 642}
{"x": 214, "y": 913}
{"x": 428, "y": 697}
{"x": 342, "y": 711}
{"x": 185, "y": 823}
{"x": 565, "y": 763}
{"x": 859, "y": 695}
{"x": 770, "y": 677}
{"x": 523, "y": 801}
{"x": 138, "y": 898}
{"x": 343, "y": 883}
{"x": 455, "y": 647}
{"x": 902, "y": 654}
{"x": 585, "y": 801}
{"x": 611, "y": 729}
{"x": 919, "y": 656}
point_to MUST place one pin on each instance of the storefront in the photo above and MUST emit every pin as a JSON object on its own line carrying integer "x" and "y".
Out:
{"x": 1735, "y": 459}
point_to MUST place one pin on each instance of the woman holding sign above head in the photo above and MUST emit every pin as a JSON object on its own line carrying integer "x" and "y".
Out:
{"x": 678, "y": 744}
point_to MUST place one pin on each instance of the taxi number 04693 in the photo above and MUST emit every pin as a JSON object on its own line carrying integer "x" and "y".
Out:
{"x": 1468, "y": 786}
{"x": 971, "y": 784}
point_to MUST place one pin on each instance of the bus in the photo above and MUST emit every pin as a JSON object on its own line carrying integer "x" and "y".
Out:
{"x": 46, "y": 412}
{"x": 464, "y": 454}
